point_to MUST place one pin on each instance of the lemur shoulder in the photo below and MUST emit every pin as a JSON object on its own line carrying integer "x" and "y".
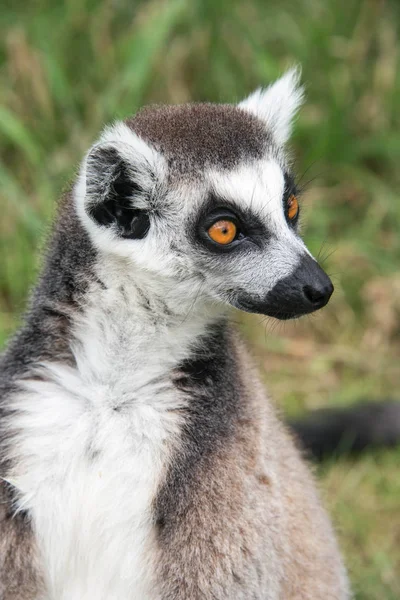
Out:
{"x": 140, "y": 457}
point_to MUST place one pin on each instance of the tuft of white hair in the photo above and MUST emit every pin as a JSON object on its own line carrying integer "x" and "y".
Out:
{"x": 277, "y": 104}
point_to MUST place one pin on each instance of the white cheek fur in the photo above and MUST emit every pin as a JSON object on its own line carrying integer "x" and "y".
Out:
{"x": 259, "y": 187}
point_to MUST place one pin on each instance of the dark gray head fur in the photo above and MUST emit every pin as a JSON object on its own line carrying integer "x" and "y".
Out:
{"x": 194, "y": 136}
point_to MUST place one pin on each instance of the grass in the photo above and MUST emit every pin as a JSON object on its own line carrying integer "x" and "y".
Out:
{"x": 66, "y": 68}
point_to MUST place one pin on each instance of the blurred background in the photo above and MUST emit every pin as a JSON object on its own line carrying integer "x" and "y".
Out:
{"x": 68, "y": 67}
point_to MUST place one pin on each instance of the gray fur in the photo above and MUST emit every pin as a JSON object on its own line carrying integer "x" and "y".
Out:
{"x": 221, "y": 512}
{"x": 20, "y": 577}
{"x": 195, "y": 136}
{"x": 45, "y": 335}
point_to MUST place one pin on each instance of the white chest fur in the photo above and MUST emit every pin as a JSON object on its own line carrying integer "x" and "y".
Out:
{"x": 93, "y": 445}
{"x": 89, "y": 480}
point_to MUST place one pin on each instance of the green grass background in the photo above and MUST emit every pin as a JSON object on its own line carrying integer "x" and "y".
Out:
{"x": 66, "y": 68}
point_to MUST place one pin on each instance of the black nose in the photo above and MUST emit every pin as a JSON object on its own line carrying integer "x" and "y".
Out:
{"x": 317, "y": 288}
{"x": 307, "y": 289}
{"x": 318, "y": 293}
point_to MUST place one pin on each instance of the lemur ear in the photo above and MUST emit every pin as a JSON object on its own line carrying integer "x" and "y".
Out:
{"x": 119, "y": 174}
{"x": 112, "y": 193}
{"x": 277, "y": 104}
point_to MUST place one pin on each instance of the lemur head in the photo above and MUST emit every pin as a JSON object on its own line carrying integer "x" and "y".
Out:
{"x": 200, "y": 198}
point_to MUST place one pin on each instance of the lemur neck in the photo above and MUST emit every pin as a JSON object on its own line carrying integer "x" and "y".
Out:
{"x": 132, "y": 322}
{"x": 100, "y": 315}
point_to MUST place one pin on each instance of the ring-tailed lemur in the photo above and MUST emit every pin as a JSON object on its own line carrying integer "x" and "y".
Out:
{"x": 141, "y": 459}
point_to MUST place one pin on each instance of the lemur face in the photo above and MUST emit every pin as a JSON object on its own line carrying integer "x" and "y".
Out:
{"x": 200, "y": 197}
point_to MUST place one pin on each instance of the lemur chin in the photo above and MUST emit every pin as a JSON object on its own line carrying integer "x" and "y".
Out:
{"x": 140, "y": 457}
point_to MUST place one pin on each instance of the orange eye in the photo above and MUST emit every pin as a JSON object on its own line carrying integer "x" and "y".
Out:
{"x": 292, "y": 207}
{"x": 223, "y": 232}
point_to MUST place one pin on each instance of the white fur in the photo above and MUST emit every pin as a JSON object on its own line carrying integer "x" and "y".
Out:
{"x": 277, "y": 104}
{"x": 88, "y": 473}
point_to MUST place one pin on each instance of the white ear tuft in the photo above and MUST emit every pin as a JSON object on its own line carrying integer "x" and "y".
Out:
{"x": 277, "y": 104}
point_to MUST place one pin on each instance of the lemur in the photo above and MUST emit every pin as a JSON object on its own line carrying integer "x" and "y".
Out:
{"x": 140, "y": 456}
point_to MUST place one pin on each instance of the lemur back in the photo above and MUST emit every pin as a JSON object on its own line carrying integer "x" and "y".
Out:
{"x": 140, "y": 458}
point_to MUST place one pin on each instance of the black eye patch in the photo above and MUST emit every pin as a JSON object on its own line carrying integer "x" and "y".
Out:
{"x": 250, "y": 230}
{"x": 290, "y": 190}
